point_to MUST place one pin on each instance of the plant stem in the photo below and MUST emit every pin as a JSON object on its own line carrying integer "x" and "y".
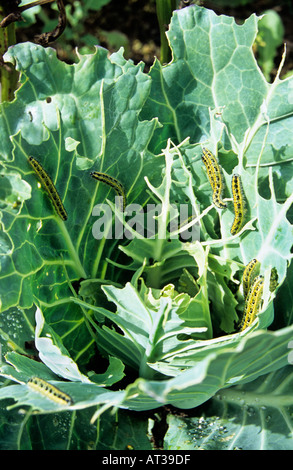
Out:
{"x": 8, "y": 75}
{"x": 145, "y": 371}
{"x": 164, "y": 12}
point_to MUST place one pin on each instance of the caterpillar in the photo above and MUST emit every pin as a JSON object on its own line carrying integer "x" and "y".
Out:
{"x": 252, "y": 302}
{"x": 273, "y": 280}
{"x": 113, "y": 183}
{"x": 49, "y": 391}
{"x": 238, "y": 201}
{"x": 249, "y": 273}
{"x": 215, "y": 177}
{"x": 49, "y": 186}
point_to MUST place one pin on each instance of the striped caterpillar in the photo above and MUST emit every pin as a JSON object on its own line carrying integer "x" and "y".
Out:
{"x": 215, "y": 177}
{"x": 49, "y": 391}
{"x": 252, "y": 302}
{"x": 113, "y": 183}
{"x": 49, "y": 187}
{"x": 249, "y": 273}
{"x": 238, "y": 202}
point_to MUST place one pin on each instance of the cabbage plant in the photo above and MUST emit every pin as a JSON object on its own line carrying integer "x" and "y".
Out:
{"x": 131, "y": 311}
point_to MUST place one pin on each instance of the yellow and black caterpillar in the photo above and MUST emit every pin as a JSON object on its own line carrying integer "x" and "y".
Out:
{"x": 238, "y": 201}
{"x": 49, "y": 391}
{"x": 252, "y": 302}
{"x": 113, "y": 183}
{"x": 49, "y": 187}
{"x": 215, "y": 177}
